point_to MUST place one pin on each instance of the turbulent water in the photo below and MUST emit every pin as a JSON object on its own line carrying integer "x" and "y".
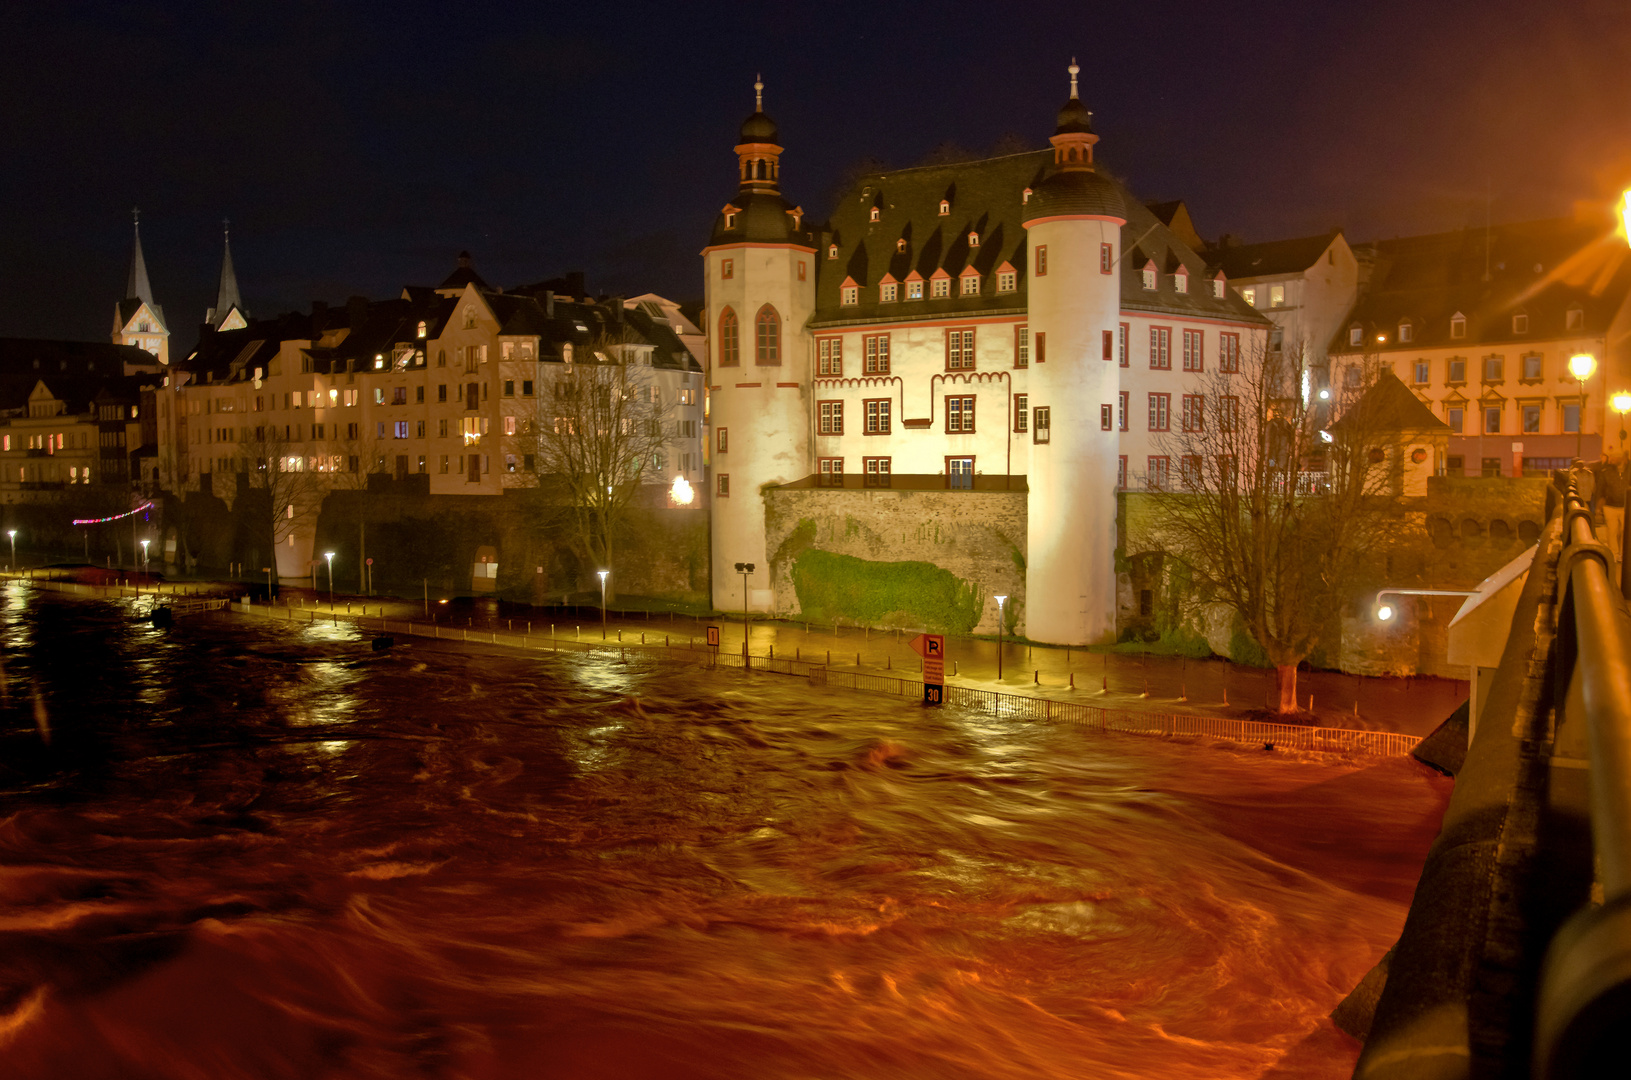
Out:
{"x": 237, "y": 849}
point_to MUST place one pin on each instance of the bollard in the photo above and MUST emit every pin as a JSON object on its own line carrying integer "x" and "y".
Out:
{"x": 1146, "y": 686}
{"x": 857, "y": 659}
{"x": 829, "y": 658}
{"x": 889, "y": 663}
{"x": 1073, "y": 680}
{"x": 1183, "y": 692}
{"x": 1036, "y": 678}
{"x": 642, "y": 637}
{"x": 795, "y": 652}
{"x": 665, "y": 640}
{"x": 773, "y": 652}
{"x": 620, "y": 635}
{"x": 954, "y": 667}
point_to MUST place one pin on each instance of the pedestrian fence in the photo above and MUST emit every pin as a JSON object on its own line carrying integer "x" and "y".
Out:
{"x": 1012, "y": 706}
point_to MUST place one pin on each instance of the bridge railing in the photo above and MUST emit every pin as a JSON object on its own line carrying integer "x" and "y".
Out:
{"x": 1585, "y": 991}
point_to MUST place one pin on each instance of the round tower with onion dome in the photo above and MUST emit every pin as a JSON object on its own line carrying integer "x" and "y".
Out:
{"x": 1073, "y": 220}
{"x": 760, "y": 271}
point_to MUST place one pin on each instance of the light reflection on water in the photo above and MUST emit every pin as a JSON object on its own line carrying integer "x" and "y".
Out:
{"x": 425, "y": 861}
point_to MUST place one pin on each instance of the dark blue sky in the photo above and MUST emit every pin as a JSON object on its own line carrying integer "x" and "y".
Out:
{"x": 358, "y": 147}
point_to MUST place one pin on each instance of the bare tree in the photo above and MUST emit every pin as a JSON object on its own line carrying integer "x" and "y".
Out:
{"x": 600, "y": 428}
{"x": 351, "y": 454}
{"x": 284, "y": 485}
{"x": 1274, "y": 510}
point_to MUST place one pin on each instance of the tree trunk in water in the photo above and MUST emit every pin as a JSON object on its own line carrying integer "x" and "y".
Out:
{"x": 1285, "y": 681}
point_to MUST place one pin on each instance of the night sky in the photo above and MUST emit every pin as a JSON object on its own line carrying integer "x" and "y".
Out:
{"x": 359, "y": 147}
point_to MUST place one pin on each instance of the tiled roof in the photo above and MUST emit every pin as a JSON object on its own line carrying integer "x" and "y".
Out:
{"x": 1273, "y": 258}
{"x": 1541, "y": 269}
{"x": 1390, "y": 406}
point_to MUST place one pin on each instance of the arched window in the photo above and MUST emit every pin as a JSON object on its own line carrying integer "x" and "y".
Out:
{"x": 729, "y": 356}
{"x": 767, "y": 336}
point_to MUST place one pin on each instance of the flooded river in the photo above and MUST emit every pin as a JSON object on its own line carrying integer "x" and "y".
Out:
{"x": 241, "y": 849}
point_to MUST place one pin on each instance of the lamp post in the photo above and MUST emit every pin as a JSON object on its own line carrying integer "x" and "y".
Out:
{"x": 1621, "y": 404}
{"x": 144, "y": 555}
{"x": 1001, "y": 600}
{"x": 13, "y": 534}
{"x": 329, "y": 555}
{"x": 1581, "y": 365}
{"x": 744, "y": 568}
{"x": 603, "y": 574}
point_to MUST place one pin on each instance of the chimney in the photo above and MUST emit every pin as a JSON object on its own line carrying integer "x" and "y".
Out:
{"x": 549, "y": 303}
{"x": 356, "y": 311}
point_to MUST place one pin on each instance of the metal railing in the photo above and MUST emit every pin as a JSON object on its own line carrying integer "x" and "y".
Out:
{"x": 1585, "y": 990}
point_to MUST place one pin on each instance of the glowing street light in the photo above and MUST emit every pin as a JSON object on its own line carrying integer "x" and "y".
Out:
{"x": 329, "y": 555}
{"x": 603, "y": 574}
{"x": 1621, "y": 404}
{"x": 13, "y": 534}
{"x": 1385, "y": 611}
{"x": 1001, "y": 600}
{"x": 1581, "y": 365}
{"x": 144, "y": 554}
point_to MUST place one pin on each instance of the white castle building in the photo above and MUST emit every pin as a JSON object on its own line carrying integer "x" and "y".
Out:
{"x": 1020, "y": 323}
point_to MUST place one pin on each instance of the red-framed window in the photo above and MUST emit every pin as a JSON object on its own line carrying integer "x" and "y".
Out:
{"x": 1022, "y": 417}
{"x": 1109, "y": 346}
{"x": 727, "y": 267}
{"x": 830, "y": 470}
{"x": 1041, "y": 343}
{"x": 722, "y": 440}
{"x": 1228, "y": 472}
{"x": 1121, "y": 411}
{"x": 767, "y": 337}
{"x": 1121, "y": 471}
{"x": 960, "y": 349}
{"x": 1160, "y": 348}
{"x": 1194, "y": 412}
{"x": 1107, "y": 417}
{"x": 1229, "y": 353}
{"x": 1041, "y": 424}
{"x": 959, "y": 414}
{"x": 1107, "y": 258}
{"x": 830, "y": 418}
{"x": 960, "y": 473}
{"x": 876, "y": 347}
{"x": 1155, "y": 475}
{"x": 722, "y": 485}
{"x": 1189, "y": 471}
{"x": 1022, "y": 346}
{"x": 829, "y": 357}
{"x": 876, "y": 471}
{"x": 877, "y": 416}
{"x": 1160, "y": 412}
{"x": 1228, "y": 413}
{"x": 729, "y": 344}
{"x": 1121, "y": 345}
{"x": 1042, "y": 260}
{"x": 803, "y": 270}
{"x": 1194, "y": 357}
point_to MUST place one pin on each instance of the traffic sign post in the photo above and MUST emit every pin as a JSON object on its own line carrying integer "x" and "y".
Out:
{"x": 932, "y": 647}
{"x": 713, "y": 636}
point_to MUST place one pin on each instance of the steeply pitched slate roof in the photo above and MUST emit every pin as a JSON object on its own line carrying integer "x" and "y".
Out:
{"x": 1538, "y": 268}
{"x": 74, "y": 371}
{"x": 1274, "y": 257}
{"x": 986, "y": 197}
{"x": 1390, "y": 406}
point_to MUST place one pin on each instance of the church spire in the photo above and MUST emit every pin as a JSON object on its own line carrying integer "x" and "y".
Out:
{"x": 138, "y": 286}
{"x": 226, "y": 295}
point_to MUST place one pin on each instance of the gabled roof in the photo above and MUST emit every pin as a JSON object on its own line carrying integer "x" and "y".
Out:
{"x": 464, "y": 274}
{"x": 1273, "y": 258}
{"x": 1389, "y": 405}
{"x": 74, "y": 371}
{"x": 1539, "y": 268}
{"x": 1175, "y": 216}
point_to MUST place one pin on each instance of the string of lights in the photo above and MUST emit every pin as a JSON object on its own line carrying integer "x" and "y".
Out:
{"x": 115, "y": 517}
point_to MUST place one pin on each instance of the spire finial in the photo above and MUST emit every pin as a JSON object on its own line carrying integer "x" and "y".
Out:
{"x": 759, "y": 93}
{"x": 1074, "y": 71}
{"x": 226, "y": 228}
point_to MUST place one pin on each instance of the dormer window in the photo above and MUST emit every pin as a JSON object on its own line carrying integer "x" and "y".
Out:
{"x": 1025, "y": 197}
{"x": 1356, "y": 334}
{"x": 1180, "y": 280}
{"x": 730, "y": 220}
{"x": 1520, "y": 324}
{"x": 973, "y": 239}
{"x": 875, "y": 213}
{"x": 832, "y": 251}
{"x": 1407, "y": 333}
{"x": 1149, "y": 276}
{"x": 888, "y": 292}
{"x": 1458, "y": 325}
{"x": 797, "y": 214}
{"x": 914, "y": 288}
{"x": 1574, "y": 319}
{"x": 900, "y": 245}
{"x": 851, "y": 295}
{"x": 421, "y": 334}
{"x": 970, "y": 283}
{"x": 1007, "y": 278}
{"x": 940, "y": 285}
{"x": 1217, "y": 287}
{"x": 945, "y": 207}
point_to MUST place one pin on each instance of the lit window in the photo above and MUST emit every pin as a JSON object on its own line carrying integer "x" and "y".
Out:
{"x": 1356, "y": 334}
{"x": 1250, "y": 296}
{"x": 914, "y": 290}
{"x": 509, "y": 425}
{"x": 421, "y": 329}
{"x": 1277, "y": 296}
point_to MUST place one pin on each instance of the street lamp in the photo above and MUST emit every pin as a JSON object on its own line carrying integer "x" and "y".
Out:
{"x": 1621, "y": 403}
{"x": 1386, "y": 611}
{"x": 1000, "y": 601}
{"x": 1581, "y": 365}
{"x": 144, "y": 555}
{"x": 603, "y": 574}
{"x": 329, "y": 555}
{"x": 744, "y": 568}
{"x": 13, "y": 534}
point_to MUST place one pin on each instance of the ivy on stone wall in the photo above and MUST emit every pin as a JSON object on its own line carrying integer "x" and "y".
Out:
{"x": 909, "y": 594}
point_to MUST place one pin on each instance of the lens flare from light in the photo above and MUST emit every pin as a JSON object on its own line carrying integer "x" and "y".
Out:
{"x": 1385, "y": 612}
{"x": 1621, "y": 402}
{"x": 681, "y": 492}
{"x": 1582, "y": 365}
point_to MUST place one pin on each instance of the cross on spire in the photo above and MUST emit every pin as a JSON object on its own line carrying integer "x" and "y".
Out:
{"x": 759, "y": 93}
{"x": 1074, "y": 71}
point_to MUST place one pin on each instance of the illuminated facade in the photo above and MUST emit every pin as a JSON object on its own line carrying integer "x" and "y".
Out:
{"x": 1018, "y": 322}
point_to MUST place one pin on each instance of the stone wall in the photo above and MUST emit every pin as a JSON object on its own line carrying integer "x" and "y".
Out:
{"x": 929, "y": 560}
